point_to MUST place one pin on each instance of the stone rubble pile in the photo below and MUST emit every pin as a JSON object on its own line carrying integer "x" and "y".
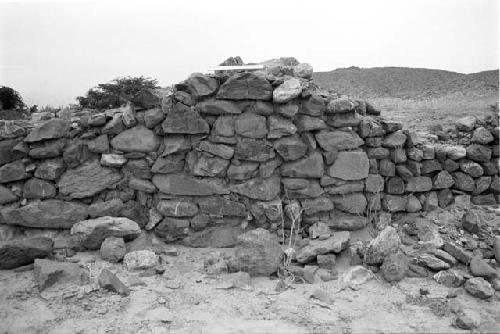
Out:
{"x": 226, "y": 153}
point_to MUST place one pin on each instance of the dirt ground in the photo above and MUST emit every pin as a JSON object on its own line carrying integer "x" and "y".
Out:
{"x": 187, "y": 300}
{"x": 420, "y": 114}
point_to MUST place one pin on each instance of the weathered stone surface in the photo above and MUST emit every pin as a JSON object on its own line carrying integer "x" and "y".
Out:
{"x": 413, "y": 204}
{"x": 113, "y": 160}
{"x": 92, "y": 232}
{"x": 482, "y": 184}
{"x": 246, "y": 86}
{"x": 482, "y": 136}
{"x": 218, "y": 107}
{"x": 257, "y": 253}
{"x": 344, "y": 120}
{"x": 175, "y": 144}
{"x": 99, "y": 144}
{"x": 171, "y": 164}
{"x": 374, "y": 183}
{"x": 108, "y": 208}
{"x": 200, "y": 85}
{"x": 480, "y": 268}
{"x": 141, "y": 259}
{"x": 87, "y": 180}
{"x": 396, "y": 139}
{"x": 308, "y": 123}
{"x": 468, "y": 319}
{"x": 387, "y": 242}
{"x": 378, "y": 153}
{"x": 335, "y": 244}
{"x": 6, "y": 195}
{"x": 487, "y": 199}
{"x": 136, "y": 139}
{"x": 46, "y": 214}
{"x": 346, "y": 222}
{"x": 264, "y": 189}
{"x": 450, "y": 278}
{"x": 219, "y": 206}
{"x": 350, "y": 166}
{"x": 20, "y": 252}
{"x": 141, "y": 185}
{"x": 472, "y": 168}
{"x": 315, "y": 105}
{"x": 313, "y": 206}
{"x": 443, "y": 180}
{"x": 7, "y": 151}
{"x": 419, "y": 184}
{"x": 218, "y": 237}
{"x": 458, "y": 252}
{"x": 394, "y": 203}
{"x": 115, "y": 125}
{"x": 479, "y": 153}
{"x": 279, "y": 127}
{"x": 203, "y": 164}
{"x": 287, "y": 91}
{"x": 466, "y": 123}
{"x": 288, "y": 110}
{"x": 479, "y": 288}
{"x": 13, "y": 171}
{"x": 253, "y": 150}
{"x": 243, "y": 171}
{"x": 290, "y": 148}
{"x": 463, "y": 181}
{"x": 311, "y": 190}
{"x": 184, "y": 120}
{"x": 179, "y": 184}
{"x": 223, "y": 126}
{"x": 47, "y": 273}
{"x": 352, "y": 203}
{"x": 395, "y": 267}
{"x": 39, "y": 189}
{"x": 429, "y": 166}
{"x": 395, "y": 186}
{"x": 223, "y": 151}
{"x": 432, "y": 262}
{"x": 338, "y": 140}
{"x": 177, "y": 208}
{"x": 109, "y": 281}
{"x": 342, "y": 187}
{"x": 251, "y": 125}
{"x": 172, "y": 229}
{"x": 52, "y": 129}
{"x": 340, "y": 105}
{"x": 113, "y": 249}
{"x": 153, "y": 117}
{"x": 310, "y": 166}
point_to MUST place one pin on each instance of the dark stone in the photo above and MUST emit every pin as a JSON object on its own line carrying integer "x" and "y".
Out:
{"x": 218, "y": 107}
{"x": 200, "y": 85}
{"x": 184, "y": 120}
{"x": 395, "y": 186}
{"x": 310, "y": 166}
{"x": 253, "y": 150}
{"x": 46, "y": 150}
{"x": 76, "y": 153}
{"x": 258, "y": 188}
{"x": 109, "y": 281}
{"x": 52, "y": 129}
{"x": 246, "y": 86}
{"x": 251, "y": 126}
{"x": 179, "y": 184}
{"x": 220, "y": 206}
{"x": 463, "y": 181}
{"x": 173, "y": 163}
{"x": 8, "y": 153}
{"x": 39, "y": 189}
{"x": 478, "y": 153}
{"x": 290, "y": 148}
{"x": 20, "y": 252}
{"x": 13, "y": 171}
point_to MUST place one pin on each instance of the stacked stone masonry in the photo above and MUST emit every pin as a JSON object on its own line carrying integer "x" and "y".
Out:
{"x": 230, "y": 151}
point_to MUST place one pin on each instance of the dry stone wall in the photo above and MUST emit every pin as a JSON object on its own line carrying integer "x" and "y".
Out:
{"x": 232, "y": 151}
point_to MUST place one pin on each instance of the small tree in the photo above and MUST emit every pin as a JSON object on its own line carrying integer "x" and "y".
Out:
{"x": 10, "y": 99}
{"x": 118, "y": 92}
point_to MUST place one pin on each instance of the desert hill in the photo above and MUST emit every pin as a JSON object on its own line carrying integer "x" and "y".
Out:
{"x": 405, "y": 82}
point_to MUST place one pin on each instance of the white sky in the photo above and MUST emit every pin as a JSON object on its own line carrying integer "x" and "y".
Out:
{"x": 52, "y": 52}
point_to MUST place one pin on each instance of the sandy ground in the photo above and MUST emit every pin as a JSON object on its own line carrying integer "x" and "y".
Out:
{"x": 187, "y": 300}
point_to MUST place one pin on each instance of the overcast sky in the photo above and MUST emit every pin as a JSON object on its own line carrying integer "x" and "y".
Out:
{"x": 52, "y": 52}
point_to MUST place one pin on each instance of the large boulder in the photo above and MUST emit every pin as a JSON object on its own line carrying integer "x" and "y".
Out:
{"x": 246, "y": 86}
{"x": 350, "y": 166}
{"x": 335, "y": 244}
{"x": 257, "y": 253}
{"x": 46, "y": 214}
{"x": 136, "y": 139}
{"x": 13, "y": 171}
{"x": 92, "y": 232}
{"x": 287, "y": 91}
{"x": 20, "y": 252}
{"x": 184, "y": 185}
{"x": 184, "y": 120}
{"x": 6, "y": 195}
{"x": 338, "y": 140}
{"x": 387, "y": 242}
{"x": 309, "y": 167}
{"x": 87, "y": 180}
{"x": 52, "y": 129}
{"x": 200, "y": 85}
{"x": 47, "y": 273}
{"x": 264, "y": 189}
